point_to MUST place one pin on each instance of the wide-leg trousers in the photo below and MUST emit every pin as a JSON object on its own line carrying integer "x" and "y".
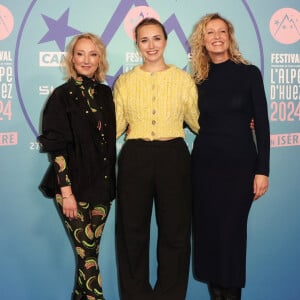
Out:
{"x": 153, "y": 172}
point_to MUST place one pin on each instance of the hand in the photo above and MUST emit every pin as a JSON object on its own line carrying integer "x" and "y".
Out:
{"x": 69, "y": 206}
{"x": 260, "y": 185}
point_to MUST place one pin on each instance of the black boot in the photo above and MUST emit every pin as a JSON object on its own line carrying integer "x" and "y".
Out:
{"x": 215, "y": 291}
{"x": 232, "y": 293}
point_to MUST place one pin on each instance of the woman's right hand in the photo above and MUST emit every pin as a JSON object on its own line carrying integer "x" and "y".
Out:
{"x": 69, "y": 203}
{"x": 69, "y": 206}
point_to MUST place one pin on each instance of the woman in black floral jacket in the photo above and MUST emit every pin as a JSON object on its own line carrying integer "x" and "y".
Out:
{"x": 78, "y": 131}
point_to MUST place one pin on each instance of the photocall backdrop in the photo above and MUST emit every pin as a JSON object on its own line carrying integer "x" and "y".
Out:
{"x": 36, "y": 259}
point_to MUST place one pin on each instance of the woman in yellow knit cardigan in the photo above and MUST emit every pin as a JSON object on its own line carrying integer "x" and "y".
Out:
{"x": 155, "y": 100}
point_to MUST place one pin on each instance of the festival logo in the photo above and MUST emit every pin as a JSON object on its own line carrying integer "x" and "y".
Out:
{"x": 136, "y": 15}
{"x": 285, "y": 26}
{"x": 284, "y": 99}
{"x": 6, "y": 22}
{"x": 6, "y": 78}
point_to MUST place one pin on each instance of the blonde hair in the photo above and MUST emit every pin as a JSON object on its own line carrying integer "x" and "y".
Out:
{"x": 101, "y": 49}
{"x": 200, "y": 60}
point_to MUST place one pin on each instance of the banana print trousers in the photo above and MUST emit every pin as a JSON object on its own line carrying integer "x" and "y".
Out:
{"x": 85, "y": 232}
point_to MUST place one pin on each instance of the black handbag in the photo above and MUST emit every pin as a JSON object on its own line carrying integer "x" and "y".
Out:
{"x": 48, "y": 185}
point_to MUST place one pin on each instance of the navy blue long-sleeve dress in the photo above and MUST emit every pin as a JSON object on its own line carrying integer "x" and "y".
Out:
{"x": 225, "y": 159}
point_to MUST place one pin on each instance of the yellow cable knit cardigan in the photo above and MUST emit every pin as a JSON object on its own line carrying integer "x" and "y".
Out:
{"x": 155, "y": 105}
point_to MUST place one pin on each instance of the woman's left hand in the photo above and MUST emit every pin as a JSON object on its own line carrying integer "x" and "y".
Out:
{"x": 260, "y": 185}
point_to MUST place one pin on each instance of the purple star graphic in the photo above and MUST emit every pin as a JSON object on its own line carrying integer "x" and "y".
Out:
{"x": 58, "y": 30}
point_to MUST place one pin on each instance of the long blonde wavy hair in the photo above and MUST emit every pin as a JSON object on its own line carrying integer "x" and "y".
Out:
{"x": 200, "y": 60}
{"x": 101, "y": 49}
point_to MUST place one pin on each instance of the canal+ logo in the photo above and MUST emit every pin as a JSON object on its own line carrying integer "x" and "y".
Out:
{"x": 51, "y": 59}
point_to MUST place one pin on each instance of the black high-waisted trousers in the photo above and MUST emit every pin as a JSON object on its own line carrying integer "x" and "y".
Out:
{"x": 153, "y": 172}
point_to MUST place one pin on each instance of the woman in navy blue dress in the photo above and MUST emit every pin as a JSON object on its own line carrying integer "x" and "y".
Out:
{"x": 230, "y": 165}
